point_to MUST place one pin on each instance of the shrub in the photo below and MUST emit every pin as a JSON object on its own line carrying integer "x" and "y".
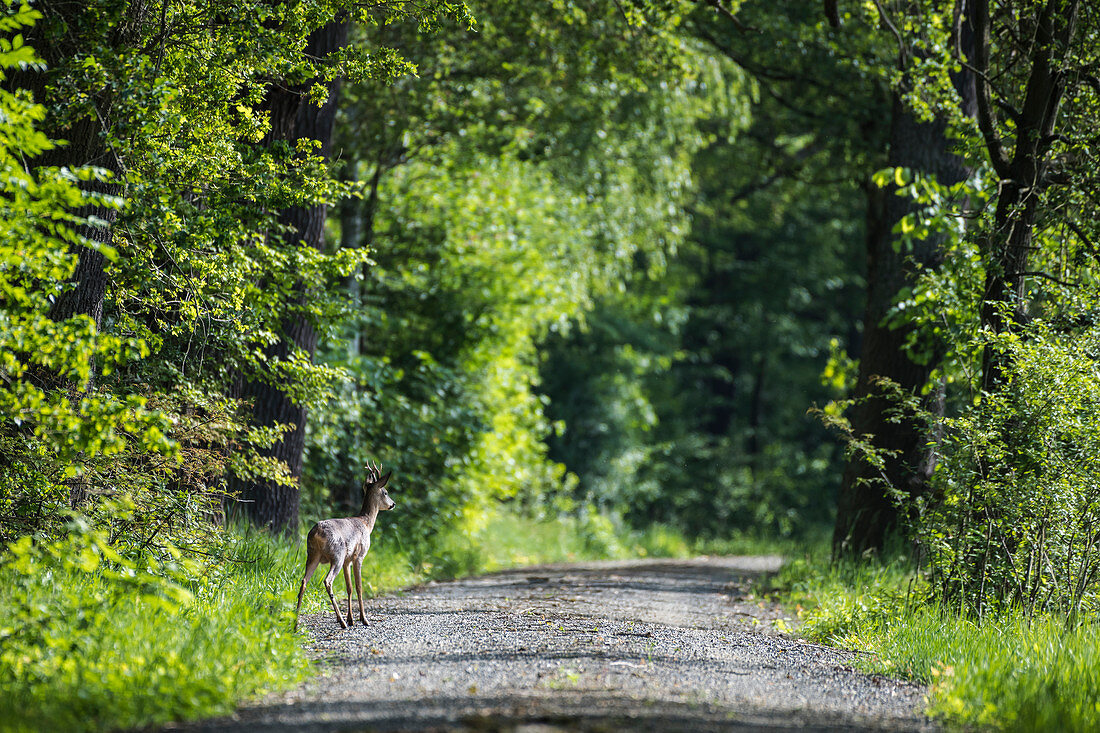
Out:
{"x": 1013, "y": 519}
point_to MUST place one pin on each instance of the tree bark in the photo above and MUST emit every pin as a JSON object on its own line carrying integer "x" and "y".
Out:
{"x": 267, "y": 503}
{"x": 866, "y": 511}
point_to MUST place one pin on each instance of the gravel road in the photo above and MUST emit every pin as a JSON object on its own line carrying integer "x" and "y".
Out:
{"x": 655, "y": 645}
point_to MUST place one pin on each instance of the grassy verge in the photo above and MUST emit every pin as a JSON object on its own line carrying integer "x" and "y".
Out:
{"x": 91, "y": 641}
{"x": 1003, "y": 673}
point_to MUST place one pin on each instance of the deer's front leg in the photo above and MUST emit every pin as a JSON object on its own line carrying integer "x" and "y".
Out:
{"x": 347, "y": 582}
{"x": 359, "y": 590}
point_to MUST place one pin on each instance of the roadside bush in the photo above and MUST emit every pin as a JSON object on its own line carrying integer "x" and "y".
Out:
{"x": 1013, "y": 519}
{"x": 1010, "y": 672}
{"x": 1010, "y": 521}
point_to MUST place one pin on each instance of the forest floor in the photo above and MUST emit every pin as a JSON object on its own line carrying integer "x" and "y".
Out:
{"x": 652, "y": 645}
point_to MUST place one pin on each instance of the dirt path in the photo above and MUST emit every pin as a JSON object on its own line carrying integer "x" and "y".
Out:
{"x": 654, "y": 645}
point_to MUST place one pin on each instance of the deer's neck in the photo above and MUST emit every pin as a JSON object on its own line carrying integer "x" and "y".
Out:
{"x": 368, "y": 514}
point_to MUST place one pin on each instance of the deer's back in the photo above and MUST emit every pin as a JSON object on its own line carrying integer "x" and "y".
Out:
{"x": 346, "y": 536}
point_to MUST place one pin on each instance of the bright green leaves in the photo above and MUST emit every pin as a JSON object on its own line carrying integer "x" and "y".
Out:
{"x": 38, "y": 237}
{"x": 84, "y": 631}
{"x": 1018, "y": 483}
{"x": 14, "y": 19}
{"x": 898, "y": 176}
{"x": 199, "y": 281}
{"x": 476, "y": 261}
{"x": 358, "y": 64}
{"x": 44, "y": 627}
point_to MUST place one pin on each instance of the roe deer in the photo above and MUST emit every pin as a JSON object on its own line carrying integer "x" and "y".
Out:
{"x": 343, "y": 543}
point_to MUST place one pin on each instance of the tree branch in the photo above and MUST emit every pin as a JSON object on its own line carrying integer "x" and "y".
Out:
{"x": 730, "y": 16}
{"x": 1045, "y": 275}
{"x": 903, "y": 49}
{"x": 1076, "y": 229}
{"x": 987, "y": 118}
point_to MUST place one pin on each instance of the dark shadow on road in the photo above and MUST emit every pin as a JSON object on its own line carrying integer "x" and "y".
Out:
{"x": 586, "y": 712}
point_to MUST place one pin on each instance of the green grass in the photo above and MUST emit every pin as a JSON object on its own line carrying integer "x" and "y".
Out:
{"x": 87, "y": 646}
{"x": 1003, "y": 673}
{"x": 509, "y": 540}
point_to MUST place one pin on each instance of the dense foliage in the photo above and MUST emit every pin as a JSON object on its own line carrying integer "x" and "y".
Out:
{"x": 494, "y": 224}
{"x": 1008, "y": 317}
{"x": 578, "y": 259}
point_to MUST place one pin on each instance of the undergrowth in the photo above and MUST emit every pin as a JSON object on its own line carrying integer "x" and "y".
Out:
{"x": 1007, "y": 672}
{"x": 90, "y": 640}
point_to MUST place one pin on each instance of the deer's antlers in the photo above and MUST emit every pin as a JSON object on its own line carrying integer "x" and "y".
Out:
{"x": 374, "y": 472}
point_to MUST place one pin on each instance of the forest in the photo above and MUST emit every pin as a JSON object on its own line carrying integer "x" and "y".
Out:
{"x": 660, "y": 276}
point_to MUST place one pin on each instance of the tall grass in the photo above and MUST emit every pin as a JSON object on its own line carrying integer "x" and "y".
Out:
{"x": 1005, "y": 673}
{"x": 95, "y": 645}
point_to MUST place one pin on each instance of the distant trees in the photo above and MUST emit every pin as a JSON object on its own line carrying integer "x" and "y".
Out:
{"x": 686, "y": 401}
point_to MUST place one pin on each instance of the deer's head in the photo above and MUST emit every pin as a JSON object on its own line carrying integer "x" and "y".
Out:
{"x": 374, "y": 490}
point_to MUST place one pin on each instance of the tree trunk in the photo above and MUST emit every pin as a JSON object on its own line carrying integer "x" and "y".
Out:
{"x": 1003, "y": 303}
{"x": 866, "y": 512}
{"x": 266, "y": 503}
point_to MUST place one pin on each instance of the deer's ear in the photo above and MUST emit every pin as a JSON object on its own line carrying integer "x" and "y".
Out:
{"x": 383, "y": 481}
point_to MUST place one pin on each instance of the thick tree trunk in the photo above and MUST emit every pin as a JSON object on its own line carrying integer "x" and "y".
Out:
{"x": 267, "y": 503}
{"x": 866, "y": 512}
{"x": 84, "y": 139}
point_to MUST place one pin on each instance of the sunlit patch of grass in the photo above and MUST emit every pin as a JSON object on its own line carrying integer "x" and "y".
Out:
{"x": 510, "y": 540}
{"x": 749, "y": 543}
{"x": 1017, "y": 676}
{"x": 86, "y": 651}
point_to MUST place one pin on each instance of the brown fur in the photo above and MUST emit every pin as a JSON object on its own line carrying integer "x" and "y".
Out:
{"x": 343, "y": 543}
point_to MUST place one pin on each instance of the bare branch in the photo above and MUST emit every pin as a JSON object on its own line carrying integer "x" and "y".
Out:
{"x": 987, "y": 118}
{"x": 903, "y": 48}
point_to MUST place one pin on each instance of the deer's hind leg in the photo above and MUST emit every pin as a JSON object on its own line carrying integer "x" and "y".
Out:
{"x": 312, "y": 561}
{"x": 337, "y": 564}
{"x": 347, "y": 582}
